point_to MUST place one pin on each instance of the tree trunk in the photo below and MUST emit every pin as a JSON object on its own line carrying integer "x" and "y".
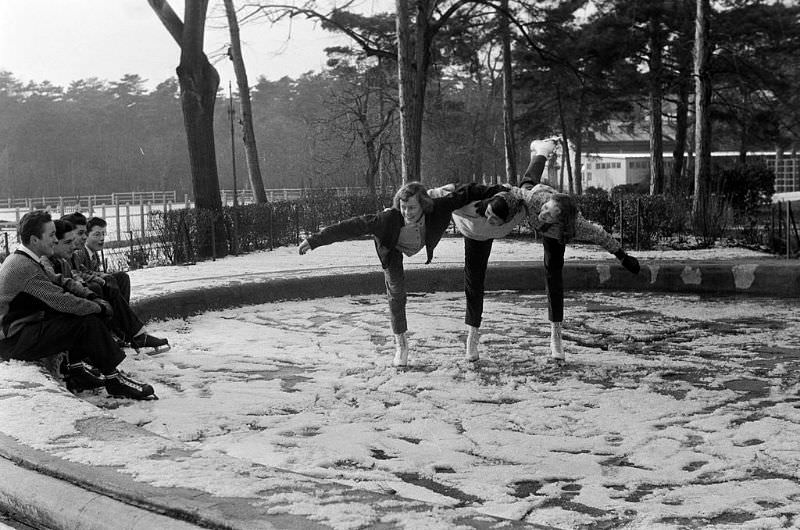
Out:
{"x": 373, "y": 166}
{"x": 198, "y": 82}
{"x": 508, "y": 98}
{"x": 248, "y": 136}
{"x": 409, "y": 163}
{"x": 567, "y": 162}
{"x": 674, "y": 184}
{"x": 656, "y": 128}
{"x": 578, "y": 185}
{"x": 702, "y": 166}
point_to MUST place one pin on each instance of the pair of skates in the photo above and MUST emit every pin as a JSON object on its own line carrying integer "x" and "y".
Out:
{"x": 81, "y": 376}
{"x": 473, "y": 337}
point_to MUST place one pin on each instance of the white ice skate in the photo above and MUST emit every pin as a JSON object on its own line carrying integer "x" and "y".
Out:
{"x": 544, "y": 147}
{"x": 401, "y": 350}
{"x": 473, "y": 337}
{"x": 556, "y": 347}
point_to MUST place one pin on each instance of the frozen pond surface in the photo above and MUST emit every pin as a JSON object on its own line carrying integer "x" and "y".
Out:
{"x": 672, "y": 411}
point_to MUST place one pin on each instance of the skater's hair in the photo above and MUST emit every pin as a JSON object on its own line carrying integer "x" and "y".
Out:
{"x": 413, "y": 189}
{"x": 566, "y": 217}
{"x": 95, "y": 221}
{"x": 32, "y": 224}
{"x": 62, "y": 228}
{"x": 76, "y": 218}
{"x": 504, "y": 205}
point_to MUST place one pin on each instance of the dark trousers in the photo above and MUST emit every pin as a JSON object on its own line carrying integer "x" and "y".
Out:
{"x": 118, "y": 283}
{"x": 85, "y": 337}
{"x": 554, "y": 278}
{"x": 476, "y": 260}
{"x": 125, "y": 324}
{"x": 395, "y": 280}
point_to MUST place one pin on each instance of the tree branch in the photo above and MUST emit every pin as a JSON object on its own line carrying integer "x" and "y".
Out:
{"x": 170, "y": 20}
{"x": 293, "y": 11}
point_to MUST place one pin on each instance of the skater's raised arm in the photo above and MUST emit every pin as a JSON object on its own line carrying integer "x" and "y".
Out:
{"x": 452, "y": 198}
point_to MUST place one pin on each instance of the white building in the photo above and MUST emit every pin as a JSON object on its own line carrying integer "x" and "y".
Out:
{"x": 607, "y": 170}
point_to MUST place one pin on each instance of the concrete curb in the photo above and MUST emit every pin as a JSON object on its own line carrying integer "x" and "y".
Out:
{"x": 55, "y": 503}
{"x": 63, "y": 494}
{"x": 775, "y": 278}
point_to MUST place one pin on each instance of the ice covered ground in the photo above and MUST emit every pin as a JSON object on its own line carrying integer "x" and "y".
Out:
{"x": 673, "y": 410}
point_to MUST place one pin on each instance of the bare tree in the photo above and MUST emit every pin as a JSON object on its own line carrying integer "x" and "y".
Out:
{"x": 508, "y": 97}
{"x": 655, "y": 63}
{"x": 413, "y": 54}
{"x": 198, "y": 82}
{"x": 248, "y": 136}
{"x": 702, "y": 165}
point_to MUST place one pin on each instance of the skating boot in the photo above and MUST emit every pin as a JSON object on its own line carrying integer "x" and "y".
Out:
{"x": 473, "y": 337}
{"x": 81, "y": 376}
{"x": 556, "y": 348}
{"x": 121, "y": 386}
{"x": 145, "y": 340}
{"x": 401, "y": 350}
{"x": 545, "y": 147}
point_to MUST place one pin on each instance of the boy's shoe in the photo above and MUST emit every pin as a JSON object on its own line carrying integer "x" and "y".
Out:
{"x": 473, "y": 337}
{"x": 401, "y": 350}
{"x": 121, "y": 386}
{"x": 81, "y": 376}
{"x": 145, "y": 340}
{"x": 556, "y": 347}
{"x": 544, "y": 147}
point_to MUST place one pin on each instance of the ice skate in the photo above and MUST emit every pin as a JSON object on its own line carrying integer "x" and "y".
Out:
{"x": 556, "y": 347}
{"x": 145, "y": 340}
{"x": 473, "y": 337}
{"x": 401, "y": 350}
{"x": 81, "y": 376}
{"x": 121, "y": 386}
{"x": 544, "y": 147}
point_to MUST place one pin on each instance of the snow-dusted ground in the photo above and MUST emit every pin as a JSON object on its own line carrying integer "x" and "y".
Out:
{"x": 673, "y": 411}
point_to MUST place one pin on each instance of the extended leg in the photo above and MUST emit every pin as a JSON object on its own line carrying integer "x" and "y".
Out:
{"x": 395, "y": 280}
{"x": 476, "y": 260}
{"x": 554, "y": 268}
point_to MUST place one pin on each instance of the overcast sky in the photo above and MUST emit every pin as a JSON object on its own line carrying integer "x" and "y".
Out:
{"x": 65, "y": 40}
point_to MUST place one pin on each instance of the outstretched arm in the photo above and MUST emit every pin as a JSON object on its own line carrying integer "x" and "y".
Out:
{"x": 465, "y": 194}
{"x": 347, "y": 229}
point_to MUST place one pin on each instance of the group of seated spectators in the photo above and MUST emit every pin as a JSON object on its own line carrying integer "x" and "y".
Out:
{"x": 56, "y": 296}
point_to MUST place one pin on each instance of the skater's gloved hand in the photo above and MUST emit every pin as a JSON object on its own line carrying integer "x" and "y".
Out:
{"x": 105, "y": 308}
{"x": 629, "y": 262}
{"x": 304, "y": 247}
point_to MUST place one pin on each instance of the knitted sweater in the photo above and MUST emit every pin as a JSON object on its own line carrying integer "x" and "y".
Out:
{"x": 27, "y": 294}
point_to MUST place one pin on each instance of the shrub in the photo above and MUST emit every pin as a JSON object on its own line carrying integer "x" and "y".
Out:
{"x": 251, "y": 227}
